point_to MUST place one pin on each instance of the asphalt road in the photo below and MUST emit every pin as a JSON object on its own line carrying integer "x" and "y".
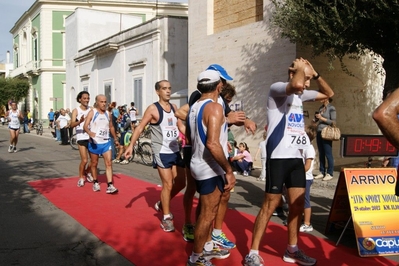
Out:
{"x": 34, "y": 232}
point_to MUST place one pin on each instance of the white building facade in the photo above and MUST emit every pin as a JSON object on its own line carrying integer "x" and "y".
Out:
{"x": 126, "y": 65}
{"x": 39, "y": 42}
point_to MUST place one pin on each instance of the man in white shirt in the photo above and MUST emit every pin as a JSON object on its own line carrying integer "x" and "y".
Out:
{"x": 63, "y": 122}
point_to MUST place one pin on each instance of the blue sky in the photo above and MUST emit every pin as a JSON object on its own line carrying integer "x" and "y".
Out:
{"x": 12, "y": 10}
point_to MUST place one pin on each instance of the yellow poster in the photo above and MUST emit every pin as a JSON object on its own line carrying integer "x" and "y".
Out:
{"x": 375, "y": 210}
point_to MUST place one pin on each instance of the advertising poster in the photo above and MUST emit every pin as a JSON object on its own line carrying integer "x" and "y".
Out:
{"x": 375, "y": 210}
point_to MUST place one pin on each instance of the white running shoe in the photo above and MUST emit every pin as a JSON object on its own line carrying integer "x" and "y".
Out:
{"x": 111, "y": 189}
{"x": 96, "y": 187}
{"x": 11, "y": 148}
{"x": 89, "y": 178}
{"x": 306, "y": 228}
{"x": 81, "y": 182}
{"x": 319, "y": 176}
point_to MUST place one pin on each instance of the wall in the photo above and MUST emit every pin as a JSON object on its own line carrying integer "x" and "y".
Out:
{"x": 255, "y": 56}
{"x": 152, "y": 51}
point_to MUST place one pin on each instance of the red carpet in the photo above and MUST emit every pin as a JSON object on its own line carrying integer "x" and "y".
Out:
{"x": 128, "y": 222}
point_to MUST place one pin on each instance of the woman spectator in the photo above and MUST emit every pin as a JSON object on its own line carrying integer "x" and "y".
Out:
{"x": 325, "y": 117}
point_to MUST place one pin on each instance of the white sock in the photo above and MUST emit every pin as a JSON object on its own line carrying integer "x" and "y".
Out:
{"x": 253, "y": 251}
{"x": 166, "y": 216}
{"x": 292, "y": 248}
{"x": 208, "y": 246}
{"x": 216, "y": 232}
{"x": 194, "y": 257}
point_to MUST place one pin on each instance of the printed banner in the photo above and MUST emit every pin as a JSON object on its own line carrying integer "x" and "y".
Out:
{"x": 375, "y": 210}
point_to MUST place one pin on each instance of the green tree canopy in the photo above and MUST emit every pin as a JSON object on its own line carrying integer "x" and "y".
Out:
{"x": 344, "y": 27}
{"x": 13, "y": 89}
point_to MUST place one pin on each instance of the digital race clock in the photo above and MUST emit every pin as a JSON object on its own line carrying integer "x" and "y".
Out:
{"x": 366, "y": 146}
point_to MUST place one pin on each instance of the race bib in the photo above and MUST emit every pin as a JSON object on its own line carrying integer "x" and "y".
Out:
{"x": 102, "y": 133}
{"x": 298, "y": 140}
{"x": 170, "y": 133}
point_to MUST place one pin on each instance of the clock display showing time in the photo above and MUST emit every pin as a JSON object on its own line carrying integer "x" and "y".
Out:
{"x": 366, "y": 146}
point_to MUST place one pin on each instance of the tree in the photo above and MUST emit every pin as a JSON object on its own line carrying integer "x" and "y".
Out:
{"x": 344, "y": 27}
{"x": 13, "y": 89}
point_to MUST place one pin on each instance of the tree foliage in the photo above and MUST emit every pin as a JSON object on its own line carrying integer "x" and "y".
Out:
{"x": 13, "y": 89}
{"x": 344, "y": 27}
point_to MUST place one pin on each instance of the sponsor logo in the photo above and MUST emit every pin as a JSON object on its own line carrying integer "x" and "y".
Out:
{"x": 368, "y": 243}
{"x": 295, "y": 117}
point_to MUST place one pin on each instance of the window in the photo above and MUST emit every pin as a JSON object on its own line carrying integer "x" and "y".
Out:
{"x": 108, "y": 91}
{"x": 229, "y": 15}
{"x": 138, "y": 94}
{"x": 35, "y": 52}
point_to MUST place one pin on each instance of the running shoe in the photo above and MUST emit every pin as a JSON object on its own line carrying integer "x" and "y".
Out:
{"x": 188, "y": 232}
{"x": 81, "y": 182}
{"x": 96, "y": 187}
{"x": 200, "y": 262}
{"x": 298, "y": 257}
{"x": 111, "y": 189}
{"x": 167, "y": 225}
{"x": 11, "y": 148}
{"x": 116, "y": 161}
{"x": 222, "y": 241}
{"x": 253, "y": 260}
{"x": 15, "y": 150}
{"x": 245, "y": 173}
{"x": 89, "y": 178}
{"x": 306, "y": 228}
{"x": 124, "y": 162}
{"x": 215, "y": 253}
{"x": 158, "y": 206}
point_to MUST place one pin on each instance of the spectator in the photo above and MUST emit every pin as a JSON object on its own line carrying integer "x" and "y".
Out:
{"x": 243, "y": 160}
{"x": 325, "y": 117}
{"x": 26, "y": 123}
{"x": 50, "y": 116}
{"x": 63, "y": 121}
{"x": 262, "y": 151}
{"x": 308, "y": 158}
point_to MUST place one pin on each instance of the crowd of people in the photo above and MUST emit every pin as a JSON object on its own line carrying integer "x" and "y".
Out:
{"x": 211, "y": 155}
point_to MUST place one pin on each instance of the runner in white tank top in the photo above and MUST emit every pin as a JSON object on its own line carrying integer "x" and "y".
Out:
{"x": 99, "y": 126}
{"x": 14, "y": 116}
{"x": 79, "y": 115}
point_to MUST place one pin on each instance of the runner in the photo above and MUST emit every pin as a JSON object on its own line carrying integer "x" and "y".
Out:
{"x": 14, "y": 116}
{"x": 78, "y": 118}
{"x": 284, "y": 163}
{"x": 165, "y": 146}
{"x": 98, "y": 125}
{"x": 209, "y": 166}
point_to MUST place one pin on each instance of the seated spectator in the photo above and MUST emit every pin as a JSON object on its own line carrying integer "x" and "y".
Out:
{"x": 243, "y": 160}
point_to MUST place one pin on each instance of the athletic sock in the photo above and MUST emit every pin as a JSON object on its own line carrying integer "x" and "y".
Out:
{"x": 194, "y": 257}
{"x": 109, "y": 183}
{"x": 292, "y": 248}
{"x": 167, "y": 216}
{"x": 253, "y": 251}
{"x": 208, "y": 246}
{"x": 217, "y": 232}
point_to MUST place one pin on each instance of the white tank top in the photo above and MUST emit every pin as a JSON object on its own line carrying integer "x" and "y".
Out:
{"x": 99, "y": 124}
{"x": 80, "y": 133}
{"x": 14, "y": 119}
{"x": 203, "y": 166}
{"x": 132, "y": 114}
